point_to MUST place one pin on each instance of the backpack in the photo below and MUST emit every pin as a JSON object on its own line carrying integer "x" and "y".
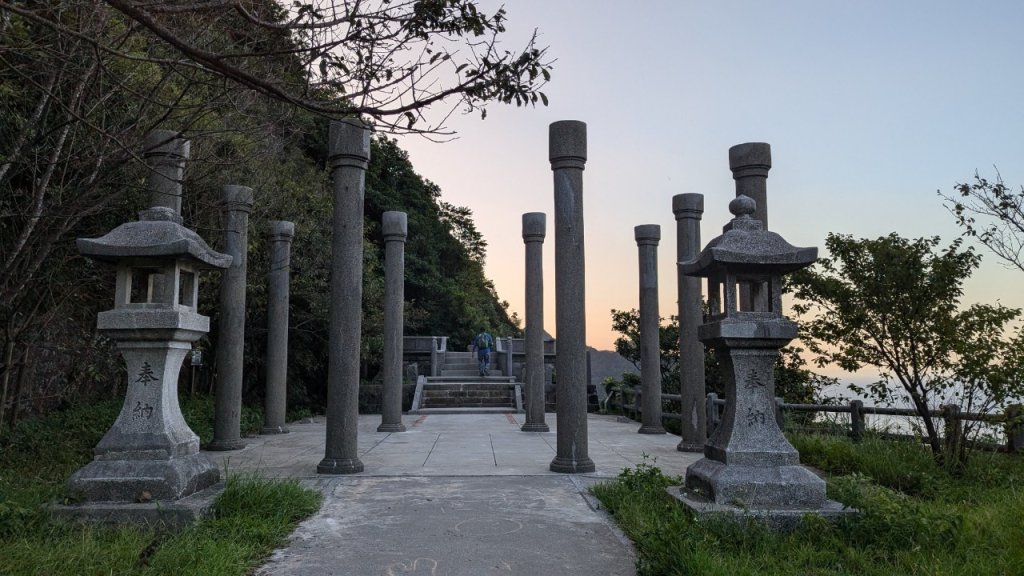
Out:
{"x": 483, "y": 340}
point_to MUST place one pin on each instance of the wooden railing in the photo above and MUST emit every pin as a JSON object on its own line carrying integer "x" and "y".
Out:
{"x": 953, "y": 418}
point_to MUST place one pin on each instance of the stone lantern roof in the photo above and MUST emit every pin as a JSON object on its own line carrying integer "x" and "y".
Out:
{"x": 746, "y": 248}
{"x": 156, "y": 234}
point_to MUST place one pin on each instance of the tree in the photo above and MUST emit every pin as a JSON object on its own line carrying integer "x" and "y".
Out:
{"x": 793, "y": 381}
{"x": 384, "y": 59}
{"x": 627, "y": 323}
{"x": 993, "y": 213}
{"x": 894, "y": 304}
{"x": 83, "y": 82}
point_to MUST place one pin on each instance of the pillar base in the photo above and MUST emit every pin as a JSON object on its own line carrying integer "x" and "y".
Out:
{"x": 274, "y": 430}
{"x": 225, "y": 445}
{"x": 569, "y": 466}
{"x": 685, "y": 446}
{"x": 645, "y": 429}
{"x": 535, "y": 427}
{"x": 339, "y": 466}
{"x": 399, "y": 427}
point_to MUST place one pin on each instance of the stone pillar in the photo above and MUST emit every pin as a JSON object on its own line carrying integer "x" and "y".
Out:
{"x": 534, "y": 230}
{"x": 688, "y": 209}
{"x": 227, "y": 422}
{"x": 165, "y": 153}
{"x": 647, "y": 237}
{"x": 395, "y": 227}
{"x": 750, "y": 164}
{"x": 276, "y": 398}
{"x": 567, "y": 151}
{"x": 349, "y": 145}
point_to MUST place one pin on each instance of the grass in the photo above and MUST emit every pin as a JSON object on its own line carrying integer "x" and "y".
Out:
{"x": 916, "y": 518}
{"x": 251, "y": 517}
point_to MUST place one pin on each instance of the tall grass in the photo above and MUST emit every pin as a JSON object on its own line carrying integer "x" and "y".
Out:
{"x": 916, "y": 519}
{"x": 251, "y": 517}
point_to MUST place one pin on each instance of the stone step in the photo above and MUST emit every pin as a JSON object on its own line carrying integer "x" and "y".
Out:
{"x": 432, "y": 380}
{"x": 466, "y": 403}
{"x": 462, "y": 365}
{"x": 466, "y": 411}
{"x": 470, "y": 372}
{"x": 467, "y": 393}
{"x": 468, "y": 396}
{"x": 504, "y": 385}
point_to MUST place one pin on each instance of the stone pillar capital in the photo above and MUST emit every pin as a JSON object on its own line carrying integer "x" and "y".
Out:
{"x": 395, "y": 226}
{"x": 688, "y": 206}
{"x": 750, "y": 159}
{"x": 647, "y": 234}
{"x": 281, "y": 231}
{"x": 567, "y": 144}
{"x": 168, "y": 144}
{"x": 534, "y": 226}
{"x": 750, "y": 164}
{"x": 349, "y": 143}
{"x": 236, "y": 199}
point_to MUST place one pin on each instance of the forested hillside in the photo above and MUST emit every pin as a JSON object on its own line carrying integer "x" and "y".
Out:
{"x": 82, "y": 83}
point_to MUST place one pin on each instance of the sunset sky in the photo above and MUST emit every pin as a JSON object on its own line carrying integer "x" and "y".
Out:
{"x": 870, "y": 107}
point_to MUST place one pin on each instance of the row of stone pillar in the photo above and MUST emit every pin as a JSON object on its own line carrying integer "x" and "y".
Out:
{"x": 236, "y": 206}
{"x": 749, "y": 164}
{"x": 350, "y": 156}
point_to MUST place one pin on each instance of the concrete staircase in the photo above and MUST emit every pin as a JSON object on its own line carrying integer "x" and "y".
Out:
{"x": 461, "y": 389}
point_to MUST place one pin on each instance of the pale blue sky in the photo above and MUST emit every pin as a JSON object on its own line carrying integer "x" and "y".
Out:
{"x": 870, "y": 107}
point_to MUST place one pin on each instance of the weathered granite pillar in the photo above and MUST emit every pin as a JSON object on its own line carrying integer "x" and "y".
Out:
{"x": 165, "y": 153}
{"x": 647, "y": 237}
{"x": 395, "y": 228}
{"x": 750, "y": 163}
{"x": 567, "y": 151}
{"x": 150, "y": 453}
{"x": 275, "y": 403}
{"x": 688, "y": 209}
{"x": 349, "y": 145}
{"x": 534, "y": 230}
{"x": 227, "y": 421}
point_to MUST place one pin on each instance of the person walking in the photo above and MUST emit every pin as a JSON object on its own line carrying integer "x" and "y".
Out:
{"x": 482, "y": 345}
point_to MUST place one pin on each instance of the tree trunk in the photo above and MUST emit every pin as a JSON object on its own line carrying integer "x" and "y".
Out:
{"x": 8, "y": 369}
{"x": 929, "y": 426}
{"x": 19, "y": 387}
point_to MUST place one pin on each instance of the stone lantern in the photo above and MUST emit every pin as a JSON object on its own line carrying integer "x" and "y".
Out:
{"x": 748, "y": 465}
{"x": 150, "y": 453}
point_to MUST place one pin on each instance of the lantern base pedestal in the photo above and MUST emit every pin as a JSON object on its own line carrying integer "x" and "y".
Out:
{"x": 750, "y": 486}
{"x": 131, "y": 481}
{"x": 777, "y": 496}
{"x": 777, "y": 519}
{"x": 162, "y": 514}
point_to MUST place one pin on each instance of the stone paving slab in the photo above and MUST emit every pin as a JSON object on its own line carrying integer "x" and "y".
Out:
{"x": 455, "y": 445}
{"x": 454, "y": 526}
{"x": 455, "y": 495}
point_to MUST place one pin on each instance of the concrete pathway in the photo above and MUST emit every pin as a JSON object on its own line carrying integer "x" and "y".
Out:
{"x": 455, "y": 495}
